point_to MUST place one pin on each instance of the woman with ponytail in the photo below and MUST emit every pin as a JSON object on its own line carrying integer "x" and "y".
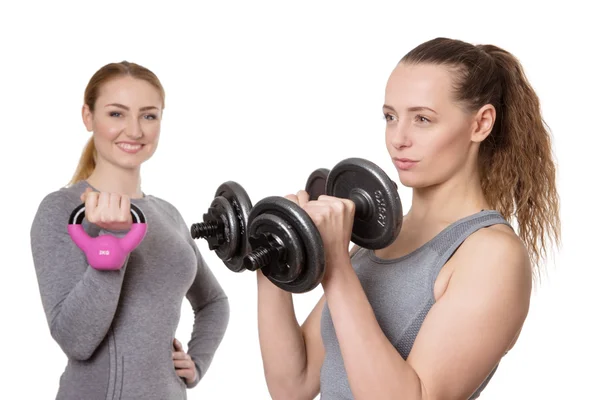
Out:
{"x": 117, "y": 327}
{"x": 432, "y": 315}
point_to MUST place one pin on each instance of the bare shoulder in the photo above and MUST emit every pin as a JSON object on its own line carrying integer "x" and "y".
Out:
{"x": 490, "y": 260}
{"x": 478, "y": 317}
{"x": 495, "y": 252}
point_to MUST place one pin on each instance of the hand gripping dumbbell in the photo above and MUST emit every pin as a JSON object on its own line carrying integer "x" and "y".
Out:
{"x": 107, "y": 252}
{"x": 224, "y": 225}
{"x": 285, "y": 243}
{"x": 378, "y": 209}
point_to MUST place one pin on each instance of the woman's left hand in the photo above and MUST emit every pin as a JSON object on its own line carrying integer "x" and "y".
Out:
{"x": 184, "y": 365}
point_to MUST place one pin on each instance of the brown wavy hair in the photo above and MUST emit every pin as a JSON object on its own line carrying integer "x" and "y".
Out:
{"x": 87, "y": 162}
{"x": 517, "y": 170}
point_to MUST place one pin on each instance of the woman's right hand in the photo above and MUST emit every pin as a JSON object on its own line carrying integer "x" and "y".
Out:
{"x": 109, "y": 211}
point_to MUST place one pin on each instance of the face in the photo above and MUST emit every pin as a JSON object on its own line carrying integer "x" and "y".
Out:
{"x": 428, "y": 135}
{"x": 125, "y": 122}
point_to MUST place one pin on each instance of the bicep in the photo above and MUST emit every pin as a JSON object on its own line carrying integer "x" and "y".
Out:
{"x": 473, "y": 324}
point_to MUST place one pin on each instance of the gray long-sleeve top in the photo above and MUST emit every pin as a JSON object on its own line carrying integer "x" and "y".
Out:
{"x": 117, "y": 327}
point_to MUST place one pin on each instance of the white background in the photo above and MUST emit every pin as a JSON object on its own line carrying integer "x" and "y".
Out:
{"x": 263, "y": 93}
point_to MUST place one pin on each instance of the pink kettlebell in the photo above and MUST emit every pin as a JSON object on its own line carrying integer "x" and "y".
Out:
{"x": 107, "y": 252}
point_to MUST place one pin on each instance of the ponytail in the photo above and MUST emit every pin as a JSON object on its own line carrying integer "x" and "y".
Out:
{"x": 87, "y": 163}
{"x": 517, "y": 167}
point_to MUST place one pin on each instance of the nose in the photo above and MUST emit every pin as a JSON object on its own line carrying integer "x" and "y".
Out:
{"x": 399, "y": 136}
{"x": 134, "y": 129}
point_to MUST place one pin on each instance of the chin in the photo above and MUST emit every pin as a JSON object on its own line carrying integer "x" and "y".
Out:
{"x": 130, "y": 164}
{"x": 132, "y": 161}
{"x": 409, "y": 180}
{"x": 412, "y": 180}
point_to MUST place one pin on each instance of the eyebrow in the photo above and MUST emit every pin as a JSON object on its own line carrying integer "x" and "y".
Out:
{"x": 411, "y": 109}
{"x": 127, "y": 108}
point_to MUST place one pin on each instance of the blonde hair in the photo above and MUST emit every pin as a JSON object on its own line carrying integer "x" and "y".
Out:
{"x": 87, "y": 161}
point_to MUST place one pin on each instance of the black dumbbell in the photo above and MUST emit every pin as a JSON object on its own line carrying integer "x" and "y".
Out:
{"x": 378, "y": 209}
{"x": 224, "y": 225}
{"x": 286, "y": 244}
{"x": 225, "y": 228}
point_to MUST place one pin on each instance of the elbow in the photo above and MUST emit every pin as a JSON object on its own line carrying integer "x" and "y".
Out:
{"x": 221, "y": 304}
{"x": 74, "y": 348}
{"x": 224, "y": 306}
{"x": 280, "y": 392}
{"x": 289, "y": 394}
{"x": 281, "y": 388}
{"x": 76, "y": 352}
{"x": 217, "y": 310}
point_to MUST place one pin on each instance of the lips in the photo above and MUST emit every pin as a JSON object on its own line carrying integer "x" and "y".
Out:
{"x": 129, "y": 147}
{"x": 404, "y": 164}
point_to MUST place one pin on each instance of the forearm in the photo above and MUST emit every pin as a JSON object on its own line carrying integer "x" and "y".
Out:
{"x": 282, "y": 344}
{"x": 79, "y": 301}
{"x": 210, "y": 325}
{"x": 374, "y": 367}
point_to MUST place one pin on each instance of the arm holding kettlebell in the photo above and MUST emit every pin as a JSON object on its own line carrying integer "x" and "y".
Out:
{"x": 79, "y": 301}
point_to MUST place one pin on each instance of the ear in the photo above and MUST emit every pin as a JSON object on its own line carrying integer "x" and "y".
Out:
{"x": 88, "y": 117}
{"x": 483, "y": 123}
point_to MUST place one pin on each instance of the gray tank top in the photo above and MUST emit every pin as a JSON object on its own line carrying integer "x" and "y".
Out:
{"x": 400, "y": 292}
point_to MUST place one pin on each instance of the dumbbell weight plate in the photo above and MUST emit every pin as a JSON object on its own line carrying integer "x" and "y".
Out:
{"x": 380, "y": 223}
{"x": 315, "y": 184}
{"x": 228, "y": 240}
{"x": 297, "y": 220}
{"x": 288, "y": 266}
{"x": 233, "y": 199}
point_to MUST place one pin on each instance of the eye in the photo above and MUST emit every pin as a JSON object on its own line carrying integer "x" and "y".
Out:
{"x": 422, "y": 119}
{"x": 389, "y": 117}
{"x": 115, "y": 114}
{"x": 150, "y": 116}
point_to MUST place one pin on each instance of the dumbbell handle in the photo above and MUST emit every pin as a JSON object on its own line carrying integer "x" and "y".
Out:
{"x": 315, "y": 186}
{"x": 361, "y": 204}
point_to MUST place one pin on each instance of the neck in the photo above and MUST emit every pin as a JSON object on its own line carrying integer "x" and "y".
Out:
{"x": 456, "y": 198}
{"x": 112, "y": 179}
